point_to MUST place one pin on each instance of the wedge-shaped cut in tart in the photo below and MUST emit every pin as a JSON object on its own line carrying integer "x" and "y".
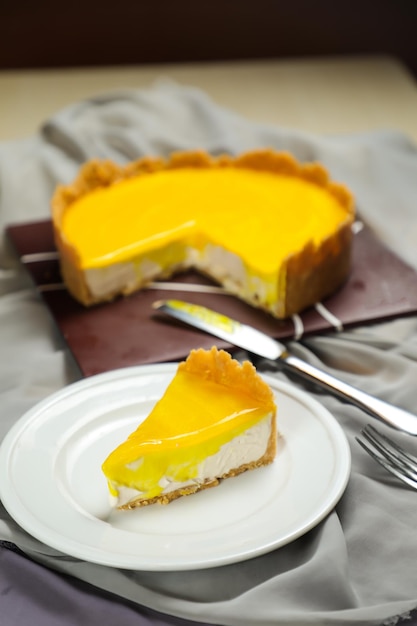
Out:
{"x": 274, "y": 232}
{"x": 216, "y": 419}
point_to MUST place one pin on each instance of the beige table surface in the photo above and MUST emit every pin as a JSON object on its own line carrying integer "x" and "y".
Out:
{"x": 324, "y": 95}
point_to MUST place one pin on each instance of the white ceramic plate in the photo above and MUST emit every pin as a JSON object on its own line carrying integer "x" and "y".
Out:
{"x": 51, "y": 481}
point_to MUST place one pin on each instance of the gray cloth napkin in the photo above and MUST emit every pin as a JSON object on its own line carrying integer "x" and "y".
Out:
{"x": 358, "y": 566}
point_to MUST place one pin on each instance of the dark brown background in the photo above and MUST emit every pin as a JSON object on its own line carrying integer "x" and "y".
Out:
{"x": 52, "y": 33}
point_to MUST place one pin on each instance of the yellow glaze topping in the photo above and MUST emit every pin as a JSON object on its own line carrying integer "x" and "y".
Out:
{"x": 211, "y": 400}
{"x": 248, "y": 212}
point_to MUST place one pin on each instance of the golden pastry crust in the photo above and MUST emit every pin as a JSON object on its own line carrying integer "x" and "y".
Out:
{"x": 309, "y": 275}
{"x": 221, "y": 368}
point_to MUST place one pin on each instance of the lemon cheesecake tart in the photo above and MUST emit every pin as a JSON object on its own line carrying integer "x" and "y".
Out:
{"x": 272, "y": 231}
{"x": 216, "y": 419}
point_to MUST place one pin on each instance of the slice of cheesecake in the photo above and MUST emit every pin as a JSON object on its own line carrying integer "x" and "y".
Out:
{"x": 216, "y": 419}
{"x": 270, "y": 230}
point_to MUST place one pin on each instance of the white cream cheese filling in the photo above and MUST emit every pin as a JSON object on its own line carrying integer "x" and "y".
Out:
{"x": 248, "y": 447}
{"x": 223, "y": 266}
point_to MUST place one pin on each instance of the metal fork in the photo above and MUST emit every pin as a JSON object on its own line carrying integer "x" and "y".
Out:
{"x": 390, "y": 455}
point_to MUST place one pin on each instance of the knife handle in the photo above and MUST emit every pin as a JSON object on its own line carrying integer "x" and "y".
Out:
{"x": 391, "y": 415}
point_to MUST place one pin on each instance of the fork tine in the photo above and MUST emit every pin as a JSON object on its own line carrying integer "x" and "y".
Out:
{"x": 388, "y": 466}
{"x": 391, "y": 456}
{"x": 398, "y": 453}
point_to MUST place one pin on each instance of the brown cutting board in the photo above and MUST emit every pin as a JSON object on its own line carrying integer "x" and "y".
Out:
{"x": 128, "y": 332}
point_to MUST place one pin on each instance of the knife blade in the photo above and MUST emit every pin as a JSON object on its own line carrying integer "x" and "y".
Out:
{"x": 259, "y": 343}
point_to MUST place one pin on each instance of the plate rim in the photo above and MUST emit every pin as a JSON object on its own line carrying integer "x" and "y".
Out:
{"x": 13, "y": 506}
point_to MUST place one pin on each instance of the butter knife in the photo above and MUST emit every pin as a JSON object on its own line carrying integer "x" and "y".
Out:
{"x": 259, "y": 343}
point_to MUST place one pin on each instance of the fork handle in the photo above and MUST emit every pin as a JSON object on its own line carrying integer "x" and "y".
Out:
{"x": 388, "y": 413}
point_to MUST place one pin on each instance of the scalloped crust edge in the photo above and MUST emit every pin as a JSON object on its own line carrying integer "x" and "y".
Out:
{"x": 219, "y": 366}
